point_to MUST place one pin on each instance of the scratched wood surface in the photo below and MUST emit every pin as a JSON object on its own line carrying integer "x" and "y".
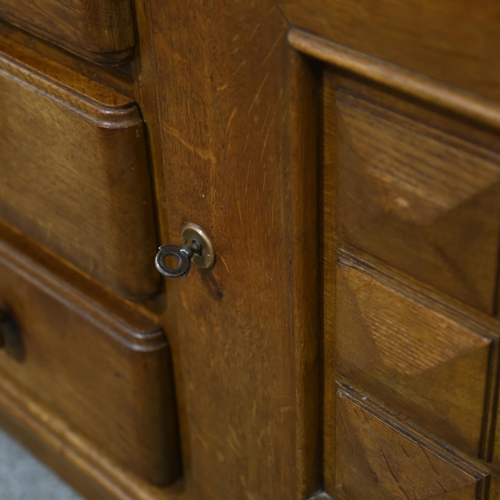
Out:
{"x": 378, "y": 461}
{"x": 416, "y": 358}
{"x": 408, "y": 175}
{"x": 224, "y": 128}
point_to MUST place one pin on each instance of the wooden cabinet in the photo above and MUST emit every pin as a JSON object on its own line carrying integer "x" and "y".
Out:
{"x": 343, "y": 156}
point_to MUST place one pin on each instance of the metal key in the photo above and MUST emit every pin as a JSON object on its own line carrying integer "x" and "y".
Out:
{"x": 197, "y": 248}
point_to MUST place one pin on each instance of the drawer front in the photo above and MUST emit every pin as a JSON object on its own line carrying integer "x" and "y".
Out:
{"x": 431, "y": 367}
{"x": 108, "y": 378}
{"x": 102, "y": 30}
{"x": 380, "y": 460}
{"x": 74, "y": 176}
{"x": 423, "y": 200}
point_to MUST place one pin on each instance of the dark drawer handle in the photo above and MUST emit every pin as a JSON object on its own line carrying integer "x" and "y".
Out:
{"x": 197, "y": 249}
{"x": 7, "y": 326}
{"x": 11, "y": 339}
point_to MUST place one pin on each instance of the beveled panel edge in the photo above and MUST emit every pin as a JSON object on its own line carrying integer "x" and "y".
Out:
{"x": 105, "y": 115}
{"x": 451, "y": 455}
{"x": 144, "y": 337}
{"x": 480, "y": 324}
{"x": 70, "y": 451}
{"x": 477, "y": 321}
{"x": 483, "y": 327}
{"x": 402, "y": 80}
{"x": 51, "y": 262}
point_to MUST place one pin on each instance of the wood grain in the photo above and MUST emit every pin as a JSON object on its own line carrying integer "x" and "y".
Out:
{"x": 377, "y": 460}
{"x": 451, "y": 41}
{"x": 429, "y": 145}
{"x": 406, "y": 130}
{"x": 108, "y": 379}
{"x": 58, "y": 64}
{"x": 224, "y": 119}
{"x": 93, "y": 204}
{"x": 102, "y": 30}
{"x": 305, "y": 267}
{"x": 328, "y": 176}
{"x": 398, "y": 78}
{"x": 494, "y": 493}
{"x": 74, "y": 458}
{"x": 425, "y": 364}
{"x": 425, "y": 201}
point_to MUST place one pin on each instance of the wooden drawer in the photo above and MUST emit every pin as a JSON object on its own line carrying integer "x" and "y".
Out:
{"x": 108, "y": 377}
{"x": 414, "y": 192}
{"x": 74, "y": 175}
{"x": 429, "y": 365}
{"x": 102, "y": 30}
{"x": 378, "y": 458}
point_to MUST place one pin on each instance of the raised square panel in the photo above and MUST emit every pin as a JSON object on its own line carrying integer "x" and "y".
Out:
{"x": 420, "y": 199}
{"x": 420, "y": 361}
{"x": 378, "y": 461}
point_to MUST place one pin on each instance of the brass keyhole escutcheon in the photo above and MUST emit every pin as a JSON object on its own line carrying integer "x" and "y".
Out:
{"x": 197, "y": 248}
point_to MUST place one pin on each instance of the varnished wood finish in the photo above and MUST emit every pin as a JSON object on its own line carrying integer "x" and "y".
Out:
{"x": 295, "y": 132}
{"x": 377, "y": 460}
{"x": 495, "y": 489}
{"x": 422, "y": 362}
{"x": 127, "y": 310}
{"x": 399, "y": 78}
{"x": 226, "y": 153}
{"x": 102, "y": 30}
{"x": 449, "y": 41}
{"x": 393, "y": 317}
{"x": 327, "y": 201}
{"x": 60, "y": 65}
{"x": 75, "y": 458}
{"x": 92, "y": 205}
{"x": 108, "y": 379}
{"x": 394, "y": 204}
{"x": 304, "y": 228}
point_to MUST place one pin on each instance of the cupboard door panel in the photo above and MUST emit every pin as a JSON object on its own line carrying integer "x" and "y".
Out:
{"x": 428, "y": 365}
{"x": 379, "y": 461}
{"x": 420, "y": 199}
{"x": 410, "y": 214}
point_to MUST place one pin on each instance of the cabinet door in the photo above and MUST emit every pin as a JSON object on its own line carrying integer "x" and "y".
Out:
{"x": 298, "y": 133}
{"x": 222, "y": 157}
